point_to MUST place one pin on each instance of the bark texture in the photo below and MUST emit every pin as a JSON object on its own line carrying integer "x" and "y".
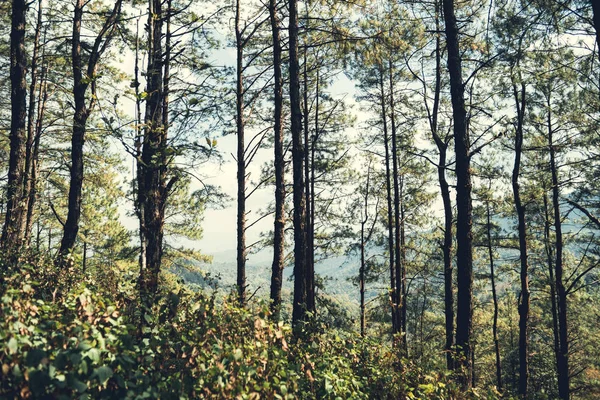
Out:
{"x": 241, "y": 161}
{"x": 562, "y": 357}
{"x": 83, "y": 78}
{"x": 464, "y": 218}
{"x": 279, "y": 228}
{"x": 11, "y": 233}
{"x": 522, "y": 229}
{"x": 299, "y": 306}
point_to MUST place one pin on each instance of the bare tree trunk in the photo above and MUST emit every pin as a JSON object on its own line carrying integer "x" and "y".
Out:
{"x": 241, "y": 162}
{"x": 403, "y": 307}
{"x": 494, "y": 297}
{"x": 552, "y": 282}
{"x": 388, "y": 189}
{"x": 80, "y": 117}
{"x": 397, "y": 244}
{"x": 84, "y": 262}
{"x": 464, "y": 234}
{"x": 138, "y": 189}
{"x": 563, "y": 355}
{"x": 11, "y": 233}
{"x": 153, "y": 187}
{"x": 31, "y": 133}
{"x": 442, "y": 147}
{"x": 311, "y": 295}
{"x": 279, "y": 228}
{"x": 524, "y": 295}
{"x": 32, "y": 195}
{"x": 361, "y": 273}
{"x": 81, "y": 83}
{"x": 310, "y": 290}
{"x": 299, "y": 306}
{"x": 364, "y": 240}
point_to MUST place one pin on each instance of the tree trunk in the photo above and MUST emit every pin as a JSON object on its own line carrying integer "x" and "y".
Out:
{"x": 464, "y": 234}
{"x": 403, "y": 269}
{"x": 442, "y": 147}
{"x": 82, "y": 113}
{"x": 84, "y": 262}
{"x": 361, "y": 273}
{"x": 11, "y": 233}
{"x": 310, "y": 290}
{"x": 494, "y": 297}
{"x": 138, "y": 189}
{"x": 397, "y": 247}
{"x": 31, "y": 132}
{"x": 388, "y": 188}
{"x": 552, "y": 282}
{"x": 364, "y": 240}
{"x": 563, "y": 355}
{"x": 311, "y": 294}
{"x": 279, "y": 228}
{"x": 241, "y": 163}
{"x": 153, "y": 186}
{"x": 32, "y": 195}
{"x": 80, "y": 117}
{"x": 299, "y": 306}
{"x": 524, "y": 295}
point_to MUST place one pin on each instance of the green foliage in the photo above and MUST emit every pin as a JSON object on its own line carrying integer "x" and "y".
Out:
{"x": 86, "y": 342}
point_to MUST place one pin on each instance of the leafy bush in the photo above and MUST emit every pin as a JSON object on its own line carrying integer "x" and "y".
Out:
{"x": 87, "y": 340}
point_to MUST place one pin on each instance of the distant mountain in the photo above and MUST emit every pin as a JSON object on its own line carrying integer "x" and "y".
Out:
{"x": 222, "y": 273}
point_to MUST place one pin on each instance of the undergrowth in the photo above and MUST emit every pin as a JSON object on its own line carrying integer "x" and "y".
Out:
{"x": 85, "y": 338}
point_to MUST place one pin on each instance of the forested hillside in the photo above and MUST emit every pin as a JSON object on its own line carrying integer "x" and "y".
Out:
{"x": 285, "y": 199}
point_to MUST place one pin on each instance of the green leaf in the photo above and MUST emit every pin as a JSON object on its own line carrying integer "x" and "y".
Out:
{"x": 237, "y": 354}
{"x": 38, "y": 380}
{"x": 103, "y": 374}
{"x": 78, "y": 385}
{"x": 34, "y": 357}
{"x": 12, "y": 345}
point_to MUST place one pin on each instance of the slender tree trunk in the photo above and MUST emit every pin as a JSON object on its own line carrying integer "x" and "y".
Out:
{"x": 397, "y": 243}
{"x": 422, "y": 320}
{"x": 552, "y": 282}
{"x": 241, "y": 163}
{"x": 524, "y": 295}
{"x": 447, "y": 252}
{"x": 153, "y": 186}
{"x": 279, "y": 228}
{"x": 41, "y": 110}
{"x": 364, "y": 240}
{"x": 494, "y": 297}
{"x": 403, "y": 269}
{"x": 84, "y": 262}
{"x": 464, "y": 234}
{"x": 311, "y": 294}
{"x": 139, "y": 189}
{"x": 299, "y": 306}
{"x": 563, "y": 356}
{"x": 442, "y": 147}
{"x": 31, "y": 133}
{"x": 310, "y": 290}
{"x": 80, "y": 117}
{"x": 38, "y": 237}
{"x": 361, "y": 273}
{"x": 81, "y": 83}
{"x": 388, "y": 189}
{"x": 11, "y": 233}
